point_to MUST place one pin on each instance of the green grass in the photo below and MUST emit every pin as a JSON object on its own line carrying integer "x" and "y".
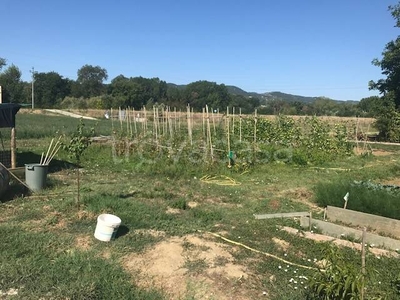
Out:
{"x": 40, "y": 256}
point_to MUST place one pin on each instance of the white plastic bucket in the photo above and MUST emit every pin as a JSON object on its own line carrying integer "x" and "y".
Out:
{"x": 107, "y": 227}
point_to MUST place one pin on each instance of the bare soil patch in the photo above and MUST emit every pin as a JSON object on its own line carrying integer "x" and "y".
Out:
{"x": 191, "y": 266}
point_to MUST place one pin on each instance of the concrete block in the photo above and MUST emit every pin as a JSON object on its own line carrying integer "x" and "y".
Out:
{"x": 339, "y": 231}
{"x": 372, "y": 222}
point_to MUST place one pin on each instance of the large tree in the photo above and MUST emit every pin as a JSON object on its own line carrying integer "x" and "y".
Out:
{"x": 3, "y": 62}
{"x": 91, "y": 78}
{"x": 12, "y": 85}
{"x": 390, "y": 64}
{"x": 49, "y": 88}
{"x": 388, "y": 119}
{"x": 202, "y": 93}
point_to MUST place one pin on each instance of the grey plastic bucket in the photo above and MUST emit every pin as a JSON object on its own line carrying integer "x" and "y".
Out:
{"x": 36, "y": 176}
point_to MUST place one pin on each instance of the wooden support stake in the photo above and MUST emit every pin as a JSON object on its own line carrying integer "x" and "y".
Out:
{"x": 213, "y": 120}
{"x": 120, "y": 116}
{"x": 229, "y": 144}
{"x": 363, "y": 261}
{"x": 233, "y": 120}
{"x": 240, "y": 124}
{"x": 13, "y": 149}
{"x": 310, "y": 221}
{"x": 255, "y": 125}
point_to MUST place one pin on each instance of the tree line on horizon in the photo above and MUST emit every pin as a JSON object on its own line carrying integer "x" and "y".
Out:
{"x": 89, "y": 90}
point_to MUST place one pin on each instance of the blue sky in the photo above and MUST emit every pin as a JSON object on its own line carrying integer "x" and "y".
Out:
{"x": 307, "y": 47}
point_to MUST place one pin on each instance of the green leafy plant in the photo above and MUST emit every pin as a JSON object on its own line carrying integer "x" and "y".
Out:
{"x": 79, "y": 142}
{"x": 338, "y": 279}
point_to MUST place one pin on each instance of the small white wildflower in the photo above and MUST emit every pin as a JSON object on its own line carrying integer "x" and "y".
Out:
{"x": 294, "y": 272}
{"x": 280, "y": 267}
{"x": 295, "y": 287}
{"x": 285, "y": 254}
{"x": 285, "y": 270}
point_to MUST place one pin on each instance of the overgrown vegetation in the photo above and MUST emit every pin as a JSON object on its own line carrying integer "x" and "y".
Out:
{"x": 48, "y": 242}
{"x": 364, "y": 196}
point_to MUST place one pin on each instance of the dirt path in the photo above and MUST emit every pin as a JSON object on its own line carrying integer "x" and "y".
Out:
{"x": 69, "y": 114}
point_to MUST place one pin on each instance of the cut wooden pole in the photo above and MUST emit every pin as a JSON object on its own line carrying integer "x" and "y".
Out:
{"x": 363, "y": 261}
{"x": 13, "y": 149}
{"x": 41, "y": 159}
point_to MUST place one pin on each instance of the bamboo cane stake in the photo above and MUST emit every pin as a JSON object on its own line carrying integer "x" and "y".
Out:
{"x": 227, "y": 117}
{"x": 134, "y": 121}
{"x": 155, "y": 124}
{"x": 175, "y": 119}
{"x": 144, "y": 123}
{"x": 120, "y": 116}
{"x": 127, "y": 121}
{"x": 170, "y": 127}
{"x": 41, "y": 158}
{"x": 209, "y": 135}
{"x": 233, "y": 120}
{"x": 189, "y": 126}
{"x": 213, "y": 120}
{"x": 240, "y": 124}
{"x": 53, "y": 151}
{"x": 131, "y": 114}
{"x": 179, "y": 120}
{"x": 48, "y": 150}
{"x": 192, "y": 121}
{"x": 203, "y": 120}
{"x": 229, "y": 143}
{"x": 255, "y": 125}
{"x": 54, "y": 154}
{"x": 112, "y": 122}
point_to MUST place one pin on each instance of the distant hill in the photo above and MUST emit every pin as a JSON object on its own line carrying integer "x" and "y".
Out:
{"x": 234, "y": 90}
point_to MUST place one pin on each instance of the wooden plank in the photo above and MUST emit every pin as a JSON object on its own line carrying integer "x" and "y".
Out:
{"x": 377, "y": 223}
{"x": 282, "y": 215}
